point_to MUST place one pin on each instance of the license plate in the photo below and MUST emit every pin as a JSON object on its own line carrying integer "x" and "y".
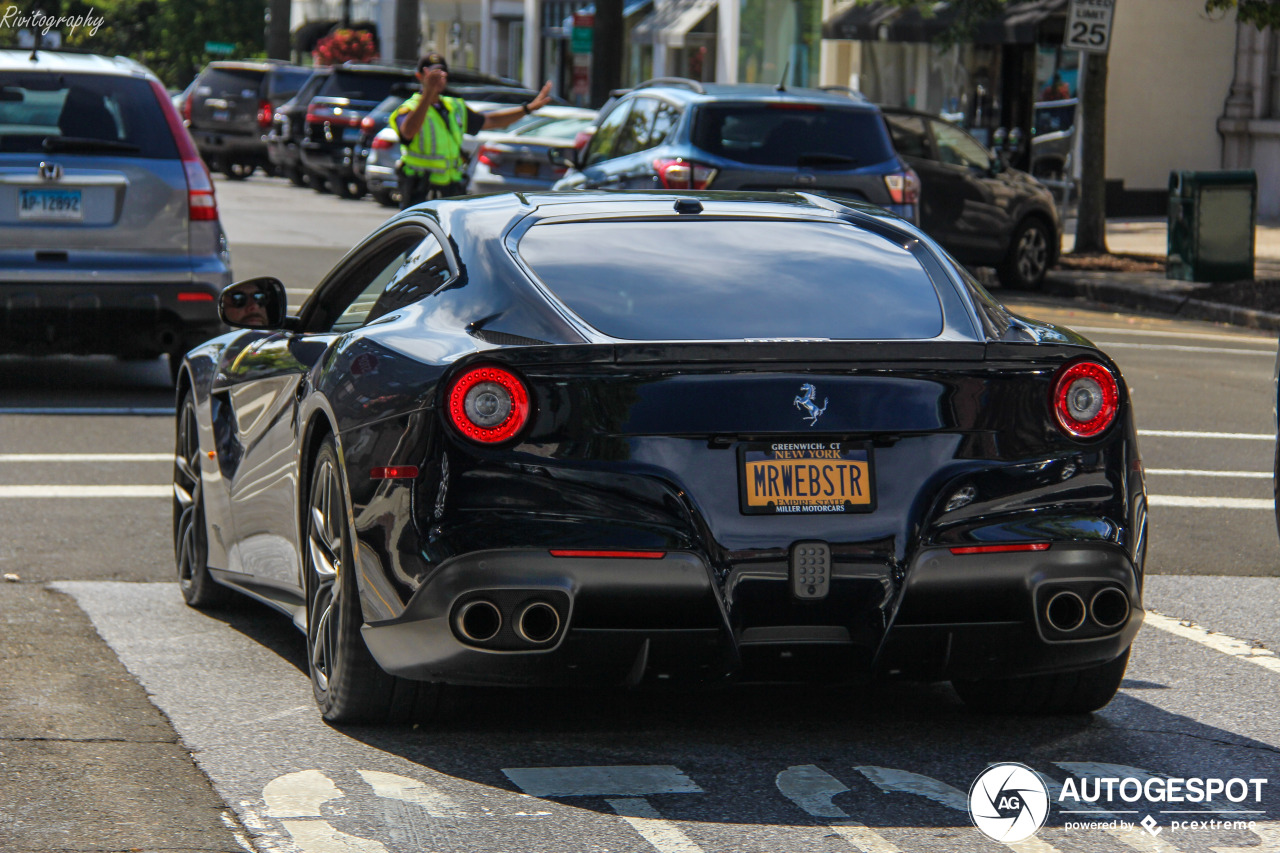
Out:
{"x": 222, "y": 115}
{"x": 59, "y": 205}
{"x": 805, "y": 477}
{"x": 527, "y": 170}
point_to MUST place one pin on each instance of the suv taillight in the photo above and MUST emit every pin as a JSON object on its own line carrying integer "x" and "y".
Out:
{"x": 381, "y": 143}
{"x": 488, "y": 156}
{"x": 904, "y": 186}
{"x": 265, "y": 114}
{"x": 186, "y": 109}
{"x": 202, "y": 206}
{"x": 333, "y": 115}
{"x": 683, "y": 174}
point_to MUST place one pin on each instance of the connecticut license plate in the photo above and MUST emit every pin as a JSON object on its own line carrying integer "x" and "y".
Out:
{"x": 60, "y": 205}
{"x": 805, "y": 477}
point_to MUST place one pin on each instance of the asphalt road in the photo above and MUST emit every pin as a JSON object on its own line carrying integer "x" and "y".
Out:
{"x": 97, "y": 739}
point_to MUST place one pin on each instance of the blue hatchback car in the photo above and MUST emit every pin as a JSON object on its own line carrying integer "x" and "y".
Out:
{"x": 673, "y": 133}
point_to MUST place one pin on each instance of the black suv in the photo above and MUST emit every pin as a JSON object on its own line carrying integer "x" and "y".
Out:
{"x": 230, "y": 108}
{"x": 289, "y": 125}
{"x": 332, "y": 133}
{"x": 673, "y": 133}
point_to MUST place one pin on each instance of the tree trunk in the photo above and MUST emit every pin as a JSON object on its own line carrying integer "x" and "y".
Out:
{"x": 1091, "y": 216}
{"x": 408, "y": 34}
{"x": 606, "y": 51}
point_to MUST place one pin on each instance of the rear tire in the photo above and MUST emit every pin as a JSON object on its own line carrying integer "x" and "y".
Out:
{"x": 348, "y": 684}
{"x": 1030, "y": 252}
{"x": 1076, "y": 692}
{"x": 296, "y": 177}
{"x": 384, "y": 198}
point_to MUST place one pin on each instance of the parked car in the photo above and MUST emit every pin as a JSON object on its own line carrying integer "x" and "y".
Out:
{"x": 375, "y": 121}
{"x": 230, "y": 108}
{"x": 756, "y": 436}
{"x": 332, "y": 133}
{"x": 1053, "y": 136}
{"x": 681, "y": 134}
{"x": 289, "y": 124}
{"x": 516, "y": 159}
{"x": 110, "y": 241}
{"x": 981, "y": 211}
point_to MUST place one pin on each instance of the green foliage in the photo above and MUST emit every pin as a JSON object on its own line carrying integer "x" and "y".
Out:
{"x": 168, "y": 36}
{"x": 1263, "y": 14}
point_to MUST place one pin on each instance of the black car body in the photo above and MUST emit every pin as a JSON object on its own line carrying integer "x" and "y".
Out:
{"x": 746, "y": 436}
{"x": 289, "y": 125}
{"x": 682, "y": 134}
{"x": 231, "y": 107}
{"x": 332, "y": 133}
{"x": 981, "y": 211}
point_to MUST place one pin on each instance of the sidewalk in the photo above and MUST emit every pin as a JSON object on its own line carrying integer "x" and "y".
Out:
{"x": 1151, "y": 291}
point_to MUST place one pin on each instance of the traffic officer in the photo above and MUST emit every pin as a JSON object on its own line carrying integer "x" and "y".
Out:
{"x": 431, "y": 125}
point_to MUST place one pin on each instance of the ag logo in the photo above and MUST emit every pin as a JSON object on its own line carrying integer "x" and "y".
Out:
{"x": 1008, "y": 802}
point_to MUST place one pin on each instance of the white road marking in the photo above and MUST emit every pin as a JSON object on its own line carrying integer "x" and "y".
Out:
{"x": 299, "y": 794}
{"x": 87, "y": 410}
{"x": 1211, "y": 503}
{"x": 618, "y": 781}
{"x": 319, "y": 836}
{"x": 1110, "y": 345}
{"x": 812, "y": 788}
{"x": 1178, "y": 433}
{"x": 664, "y": 835}
{"x": 1200, "y": 472}
{"x": 393, "y": 787}
{"x": 86, "y": 491}
{"x": 1153, "y": 333}
{"x": 889, "y": 780}
{"x": 86, "y": 457}
{"x": 1240, "y": 649}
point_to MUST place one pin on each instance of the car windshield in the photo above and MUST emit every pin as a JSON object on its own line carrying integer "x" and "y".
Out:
{"x": 284, "y": 82}
{"x": 561, "y": 129}
{"x": 230, "y": 83}
{"x": 718, "y": 279}
{"x": 784, "y": 134}
{"x": 78, "y": 113}
{"x": 360, "y": 87}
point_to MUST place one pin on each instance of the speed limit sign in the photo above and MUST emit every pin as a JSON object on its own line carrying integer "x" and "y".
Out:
{"x": 1089, "y": 25}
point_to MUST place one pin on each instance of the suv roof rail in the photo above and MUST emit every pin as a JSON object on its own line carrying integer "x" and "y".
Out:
{"x": 686, "y": 82}
{"x": 845, "y": 90}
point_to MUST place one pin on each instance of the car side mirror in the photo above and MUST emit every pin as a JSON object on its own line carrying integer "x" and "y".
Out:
{"x": 256, "y": 303}
{"x": 563, "y": 157}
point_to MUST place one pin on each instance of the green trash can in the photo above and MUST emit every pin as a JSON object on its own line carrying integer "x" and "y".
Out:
{"x": 1211, "y": 225}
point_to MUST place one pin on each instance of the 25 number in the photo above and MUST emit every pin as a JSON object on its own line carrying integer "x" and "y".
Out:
{"x": 1094, "y": 35}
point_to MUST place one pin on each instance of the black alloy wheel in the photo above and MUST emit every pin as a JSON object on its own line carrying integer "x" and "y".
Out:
{"x": 348, "y": 684}
{"x": 1029, "y": 254}
{"x": 1077, "y": 692}
{"x": 349, "y": 188}
{"x": 190, "y": 538}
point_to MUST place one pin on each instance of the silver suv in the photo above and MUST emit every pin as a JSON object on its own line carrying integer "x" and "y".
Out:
{"x": 109, "y": 234}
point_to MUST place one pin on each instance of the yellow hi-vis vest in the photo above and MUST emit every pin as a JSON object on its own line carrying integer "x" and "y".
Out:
{"x": 437, "y": 149}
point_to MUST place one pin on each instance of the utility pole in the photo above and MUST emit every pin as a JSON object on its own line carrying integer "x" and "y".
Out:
{"x": 408, "y": 33}
{"x": 606, "y": 51}
{"x": 278, "y": 46}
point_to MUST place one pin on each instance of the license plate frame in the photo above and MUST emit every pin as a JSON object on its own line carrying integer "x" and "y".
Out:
{"x": 50, "y": 205}
{"x": 222, "y": 115}
{"x": 844, "y": 472}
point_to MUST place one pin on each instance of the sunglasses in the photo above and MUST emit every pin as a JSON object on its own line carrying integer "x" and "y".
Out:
{"x": 239, "y": 300}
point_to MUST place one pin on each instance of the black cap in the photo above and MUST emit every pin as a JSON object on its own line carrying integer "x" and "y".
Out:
{"x": 433, "y": 60}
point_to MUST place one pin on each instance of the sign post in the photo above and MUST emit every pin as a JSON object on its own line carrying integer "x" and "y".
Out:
{"x": 1089, "y": 25}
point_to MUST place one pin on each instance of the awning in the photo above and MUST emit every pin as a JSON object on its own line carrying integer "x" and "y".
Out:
{"x": 669, "y": 24}
{"x": 1024, "y": 22}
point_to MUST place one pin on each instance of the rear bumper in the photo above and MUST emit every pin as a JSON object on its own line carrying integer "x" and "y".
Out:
{"x": 624, "y": 621}
{"x": 249, "y": 148}
{"x": 380, "y": 178}
{"x": 336, "y": 161}
{"x": 114, "y": 318}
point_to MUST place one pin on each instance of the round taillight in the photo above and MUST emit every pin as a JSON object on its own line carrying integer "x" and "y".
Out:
{"x": 1085, "y": 399}
{"x": 488, "y": 404}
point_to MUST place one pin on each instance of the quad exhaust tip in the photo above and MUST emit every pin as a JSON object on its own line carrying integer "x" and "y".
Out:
{"x": 538, "y": 622}
{"x": 1065, "y": 612}
{"x": 478, "y": 621}
{"x": 1109, "y": 607}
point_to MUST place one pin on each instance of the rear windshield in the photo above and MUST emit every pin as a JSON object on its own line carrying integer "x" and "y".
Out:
{"x": 707, "y": 279}
{"x": 359, "y": 87}
{"x": 283, "y": 83}
{"x": 230, "y": 83}
{"x": 82, "y": 114}
{"x": 791, "y": 135}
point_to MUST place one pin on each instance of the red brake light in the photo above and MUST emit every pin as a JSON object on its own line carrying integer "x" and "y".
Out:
{"x": 489, "y": 404}
{"x": 366, "y": 123}
{"x": 488, "y": 156}
{"x": 195, "y": 296}
{"x": 201, "y": 204}
{"x": 683, "y": 174}
{"x": 396, "y": 472}
{"x": 807, "y": 108}
{"x": 904, "y": 186}
{"x": 1000, "y": 549}
{"x": 186, "y": 108}
{"x": 584, "y": 136}
{"x": 265, "y": 114}
{"x": 1086, "y": 398}
{"x": 381, "y": 142}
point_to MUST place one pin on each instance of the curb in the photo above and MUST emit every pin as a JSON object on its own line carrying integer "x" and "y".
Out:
{"x": 1158, "y": 298}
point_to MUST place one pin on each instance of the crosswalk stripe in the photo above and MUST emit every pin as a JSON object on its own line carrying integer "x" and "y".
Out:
{"x": 85, "y": 491}
{"x": 1241, "y": 649}
{"x": 1211, "y": 503}
{"x": 86, "y": 457}
{"x": 1179, "y": 433}
{"x": 1200, "y": 472}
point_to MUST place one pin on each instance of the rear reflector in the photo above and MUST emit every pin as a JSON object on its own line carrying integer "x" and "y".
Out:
{"x": 612, "y": 555}
{"x": 395, "y": 472}
{"x": 195, "y": 297}
{"x": 1000, "y": 549}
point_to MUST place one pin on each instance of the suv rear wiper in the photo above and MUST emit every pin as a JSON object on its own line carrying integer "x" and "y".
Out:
{"x": 818, "y": 159}
{"x": 80, "y": 143}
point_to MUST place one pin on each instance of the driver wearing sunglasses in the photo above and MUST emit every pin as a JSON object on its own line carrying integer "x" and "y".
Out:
{"x": 246, "y": 307}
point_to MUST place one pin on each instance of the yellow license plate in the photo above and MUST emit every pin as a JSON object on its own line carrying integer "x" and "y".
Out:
{"x": 805, "y": 477}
